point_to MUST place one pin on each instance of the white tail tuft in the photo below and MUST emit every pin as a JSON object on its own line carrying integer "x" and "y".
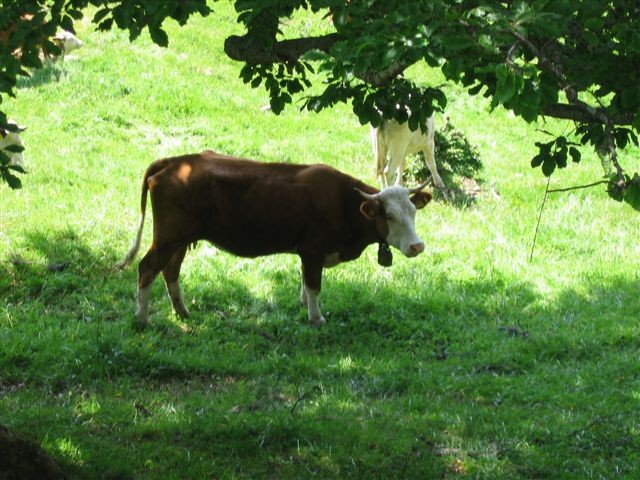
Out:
{"x": 128, "y": 258}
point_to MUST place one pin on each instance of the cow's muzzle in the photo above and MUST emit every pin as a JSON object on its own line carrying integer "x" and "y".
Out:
{"x": 415, "y": 249}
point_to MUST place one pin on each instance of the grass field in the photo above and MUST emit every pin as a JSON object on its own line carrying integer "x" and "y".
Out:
{"x": 469, "y": 361}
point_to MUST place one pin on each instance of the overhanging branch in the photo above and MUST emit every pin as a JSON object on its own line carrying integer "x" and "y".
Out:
{"x": 580, "y": 114}
{"x": 242, "y": 49}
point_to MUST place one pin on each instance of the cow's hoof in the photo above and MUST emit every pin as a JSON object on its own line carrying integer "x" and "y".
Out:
{"x": 444, "y": 194}
{"x": 140, "y": 324}
{"x": 182, "y": 312}
{"x": 318, "y": 321}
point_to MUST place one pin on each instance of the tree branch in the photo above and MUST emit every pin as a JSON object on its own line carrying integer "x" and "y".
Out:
{"x": 592, "y": 114}
{"x": 578, "y": 113}
{"x": 568, "y": 189}
{"x": 243, "y": 49}
{"x": 378, "y": 79}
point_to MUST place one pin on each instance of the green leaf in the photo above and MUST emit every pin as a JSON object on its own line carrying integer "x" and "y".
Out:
{"x": 575, "y": 154}
{"x": 315, "y": 56}
{"x": 106, "y": 25}
{"x": 13, "y": 181}
{"x": 632, "y": 192}
{"x": 537, "y": 160}
{"x": 593, "y": 23}
{"x": 506, "y": 86}
{"x": 159, "y": 36}
{"x": 548, "y": 166}
{"x": 560, "y": 158}
{"x": 14, "y": 148}
{"x": 256, "y": 82}
{"x": 17, "y": 168}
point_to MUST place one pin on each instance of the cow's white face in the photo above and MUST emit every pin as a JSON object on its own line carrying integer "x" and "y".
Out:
{"x": 394, "y": 211}
{"x": 67, "y": 41}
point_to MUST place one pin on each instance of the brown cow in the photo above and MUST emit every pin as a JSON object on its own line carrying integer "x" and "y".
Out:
{"x": 251, "y": 209}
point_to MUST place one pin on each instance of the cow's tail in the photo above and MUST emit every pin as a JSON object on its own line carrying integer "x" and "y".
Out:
{"x": 154, "y": 168}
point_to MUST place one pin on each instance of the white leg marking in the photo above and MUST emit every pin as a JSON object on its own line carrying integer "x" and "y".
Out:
{"x": 142, "y": 310}
{"x": 173, "y": 289}
{"x": 303, "y": 292}
{"x": 315, "y": 317}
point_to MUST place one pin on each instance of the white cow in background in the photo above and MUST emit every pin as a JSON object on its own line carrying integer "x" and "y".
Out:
{"x": 7, "y": 139}
{"x": 66, "y": 42}
{"x": 398, "y": 141}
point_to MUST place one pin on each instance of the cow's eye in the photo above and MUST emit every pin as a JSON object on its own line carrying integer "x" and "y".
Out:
{"x": 390, "y": 218}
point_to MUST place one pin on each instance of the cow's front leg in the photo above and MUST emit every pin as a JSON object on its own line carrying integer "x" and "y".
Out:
{"x": 396, "y": 164}
{"x": 311, "y": 283}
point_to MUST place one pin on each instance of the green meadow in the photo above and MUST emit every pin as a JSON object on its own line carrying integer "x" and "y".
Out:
{"x": 472, "y": 360}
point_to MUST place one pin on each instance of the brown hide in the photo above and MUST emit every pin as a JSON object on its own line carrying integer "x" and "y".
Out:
{"x": 251, "y": 209}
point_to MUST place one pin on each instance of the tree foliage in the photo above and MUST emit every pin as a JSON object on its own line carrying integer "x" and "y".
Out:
{"x": 567, "y": 59}
{"x": 27, "y": 27}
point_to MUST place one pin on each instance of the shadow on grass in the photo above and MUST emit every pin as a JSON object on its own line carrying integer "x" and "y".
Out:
{"x": 456, "y": 371}
{"x": 61, "y": 273}
{"x": 50, "y": 72}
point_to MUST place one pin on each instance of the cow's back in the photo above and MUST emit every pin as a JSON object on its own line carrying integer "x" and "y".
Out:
{"x": 246, "y": 207}
{"x": 412, "y": 141}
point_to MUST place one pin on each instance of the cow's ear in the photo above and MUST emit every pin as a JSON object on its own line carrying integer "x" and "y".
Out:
{"x": 420, "y": 199}
{"x": 370, "y": 208}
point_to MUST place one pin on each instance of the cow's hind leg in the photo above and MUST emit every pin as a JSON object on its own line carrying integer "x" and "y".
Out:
{"x": 303, "y": 292}
{"x": 171, "y": 274}
{"x": 380, "y": 151}
{"x": 429, "y": 158}
{"x": 148, "y": 269}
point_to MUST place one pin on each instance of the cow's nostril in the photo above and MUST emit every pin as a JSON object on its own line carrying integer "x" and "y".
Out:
{"x": 417, "y": 248}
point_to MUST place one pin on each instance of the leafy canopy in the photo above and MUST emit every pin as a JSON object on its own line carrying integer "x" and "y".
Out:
{"x": 567, "y": 59}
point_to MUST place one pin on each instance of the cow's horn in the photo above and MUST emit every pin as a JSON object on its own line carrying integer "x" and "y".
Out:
{"x": 366, "y": 196}
{"x": 418, "y": 188}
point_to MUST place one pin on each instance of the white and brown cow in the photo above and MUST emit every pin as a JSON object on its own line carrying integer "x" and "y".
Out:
{"x": 251, "y": 209}
{"x": 397, "y": 141}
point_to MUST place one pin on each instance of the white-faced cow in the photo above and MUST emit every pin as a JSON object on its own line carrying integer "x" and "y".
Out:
{"x": 398, "y": 140}
{"x": 66, "y": 42}
{"x": 251, "y": 209}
